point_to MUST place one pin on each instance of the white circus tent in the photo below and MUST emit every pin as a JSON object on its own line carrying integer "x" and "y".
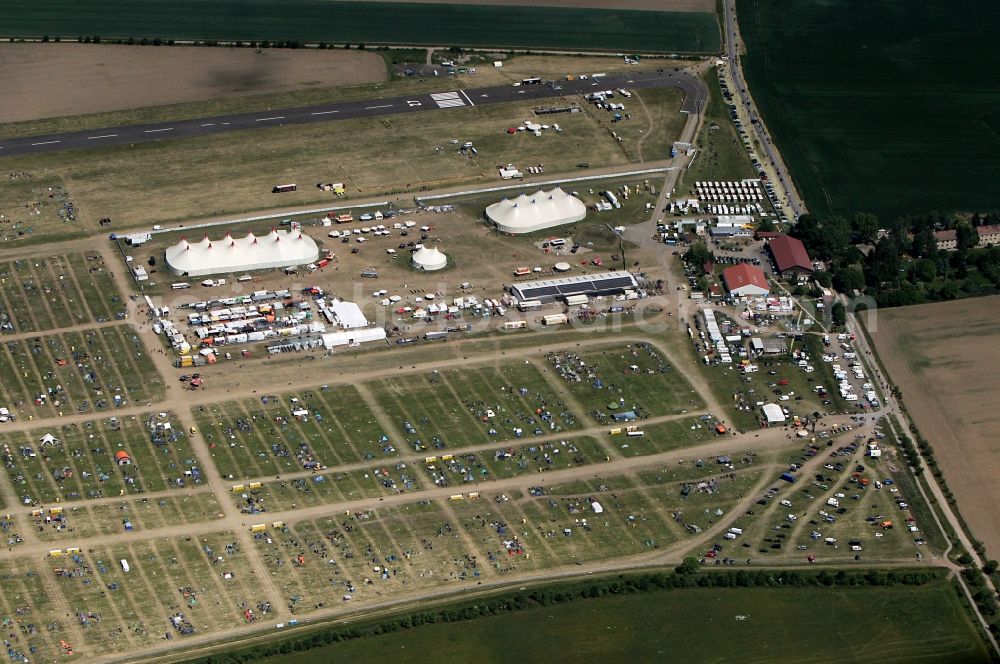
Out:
{"x": 429, "y": 259}
{"x": 534, "y": 212}
{"x": 241, "y": 254}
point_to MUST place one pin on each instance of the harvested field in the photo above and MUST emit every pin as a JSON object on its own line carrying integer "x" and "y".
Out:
{"x": 943, "y": 357}
{"x": 49, "y": 80}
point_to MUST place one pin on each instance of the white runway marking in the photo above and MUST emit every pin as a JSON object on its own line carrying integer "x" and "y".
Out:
{"x": 447, "y": 99}
{"x": 466, "y": 97}
{"x": 277, "y": 117}
{"x": 46, "y": 143}
{"x": 324, "y": 112}
{"x": 91, "y": 138}
{"x": 153, "y": 131}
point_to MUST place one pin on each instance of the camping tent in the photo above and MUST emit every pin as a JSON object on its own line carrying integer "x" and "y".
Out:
{"x": 429, "y": 259}
{"x": 533, "y": 212}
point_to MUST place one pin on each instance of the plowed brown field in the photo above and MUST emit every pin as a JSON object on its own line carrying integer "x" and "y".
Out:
{"x": 52, "y": 80}
{"x": 945, "y": 358}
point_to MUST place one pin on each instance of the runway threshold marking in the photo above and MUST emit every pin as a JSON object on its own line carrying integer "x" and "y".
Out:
{"x": 467, "y": 97}
{"x": 91, "y": 138}
{"x": 153, "y": 131}
{"x": 447, "y": 99}
{"x": 46, "y": 143}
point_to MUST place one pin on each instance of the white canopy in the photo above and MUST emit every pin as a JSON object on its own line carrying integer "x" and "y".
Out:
{"x": 772, "y": 412}
{"x": 533, "y": 212}
{"x": 429, "y": 259}
{"x": 276, "y": 249}
{"x": 349, "y": 337}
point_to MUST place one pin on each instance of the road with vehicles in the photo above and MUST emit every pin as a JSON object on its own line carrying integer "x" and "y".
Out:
{"x": 771, "y": 158}
{"x": 695, "y": 92}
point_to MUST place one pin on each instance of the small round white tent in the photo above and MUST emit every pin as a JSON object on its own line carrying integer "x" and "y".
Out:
{"x": 429, "y": 259}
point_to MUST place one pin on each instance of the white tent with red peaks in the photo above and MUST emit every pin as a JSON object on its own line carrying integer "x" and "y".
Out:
{"x": 242, "y": 254}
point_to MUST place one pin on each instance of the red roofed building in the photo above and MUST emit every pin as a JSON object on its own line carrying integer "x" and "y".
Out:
{"x": 789, "y": 256}
{"x": 745, "y": 281}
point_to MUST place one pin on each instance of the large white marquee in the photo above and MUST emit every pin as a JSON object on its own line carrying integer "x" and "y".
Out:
{"x": 534, "y": 212}
{"x": 242, "y": 254}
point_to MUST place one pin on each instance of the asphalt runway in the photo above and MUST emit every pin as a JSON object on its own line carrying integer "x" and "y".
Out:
{"x": 693, "y": 88}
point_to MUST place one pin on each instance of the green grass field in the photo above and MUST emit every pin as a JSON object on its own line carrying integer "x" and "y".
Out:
{"x": 883, "y": 107}
{"x": 895, "y": 624}
{"x": 363, "y": 22}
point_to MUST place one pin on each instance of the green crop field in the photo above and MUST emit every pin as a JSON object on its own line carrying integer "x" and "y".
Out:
{"x": 892, "y": 624}
{"x": 885, "y": 107}
{"x": 364, "y": 22}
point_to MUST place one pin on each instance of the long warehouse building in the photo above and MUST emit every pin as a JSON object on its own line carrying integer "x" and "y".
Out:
{"x": 550, "y": 290}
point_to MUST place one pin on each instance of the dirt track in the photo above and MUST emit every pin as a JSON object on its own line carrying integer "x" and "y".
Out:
{"x": 944, "y": 359}
{"x": 51, "y": 80}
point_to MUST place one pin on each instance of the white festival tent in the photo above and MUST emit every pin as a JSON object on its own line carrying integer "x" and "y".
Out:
{"x": 241, "y": 254}
{"x": 534, "y": 212}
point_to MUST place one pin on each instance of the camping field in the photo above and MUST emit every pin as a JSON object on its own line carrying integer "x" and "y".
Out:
{"x": 943, "y": 358}
{"x": 80, "y": 464}
{"x": 881, "y": 107}
{"x": 64, "y": 291}
{"x": 797, "y": 626}
{"x": 507, "y": 26}
{"x": 81, "y": 372}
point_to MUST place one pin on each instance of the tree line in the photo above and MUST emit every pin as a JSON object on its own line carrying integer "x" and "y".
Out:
{"x": 897, "y": 262}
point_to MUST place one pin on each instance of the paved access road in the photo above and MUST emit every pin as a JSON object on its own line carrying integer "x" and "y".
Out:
{"x": 694, "y": 93}
{"x": 773, "y": 163}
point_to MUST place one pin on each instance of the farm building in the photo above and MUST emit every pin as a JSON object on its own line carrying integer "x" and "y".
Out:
{"x": 429, "y": 259}
{"x": 745, "y": 281}
{"x": 948, "y": 240}
{"x": 533, "y": 212}
{"x": 790, "y": 256}
{"x": 773, "y": 413}
{"x": 550, "y": 290}
{"x": 276, "y": 249}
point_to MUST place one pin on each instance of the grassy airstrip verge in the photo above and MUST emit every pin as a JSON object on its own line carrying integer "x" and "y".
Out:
{"x": 353, "y": 22}
{"x": 881, "y": 108}
{"x": 603, "y": 618}
{"x": 176, "y": 180}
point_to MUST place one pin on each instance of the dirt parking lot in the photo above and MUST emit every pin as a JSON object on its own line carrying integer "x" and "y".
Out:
{"x": 52, "y": 80}
{"x": 943, "y": 357}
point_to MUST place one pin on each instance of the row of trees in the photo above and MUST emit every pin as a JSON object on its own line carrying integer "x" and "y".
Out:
{"x": 898, "y": 263}
{"x": 686, "y": 576}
